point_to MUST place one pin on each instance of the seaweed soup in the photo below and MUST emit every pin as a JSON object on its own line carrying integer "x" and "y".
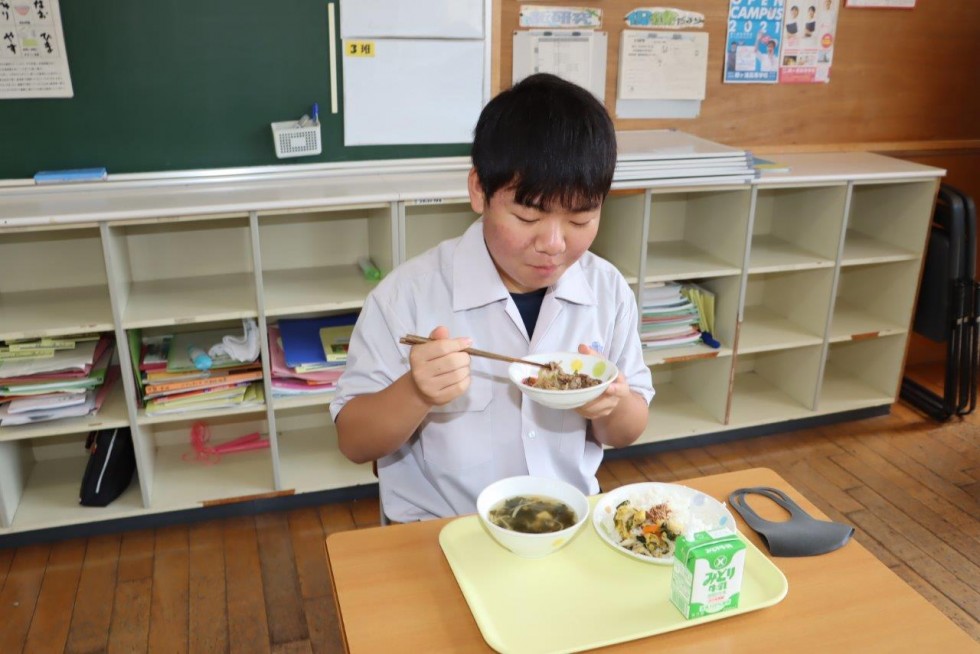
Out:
{"x": 532, "y": 514}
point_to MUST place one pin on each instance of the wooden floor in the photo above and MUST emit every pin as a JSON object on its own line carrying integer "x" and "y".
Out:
{"x": 909, "y": 485}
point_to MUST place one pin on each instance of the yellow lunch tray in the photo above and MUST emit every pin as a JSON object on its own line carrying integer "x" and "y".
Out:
{"x": 583, "y": 596}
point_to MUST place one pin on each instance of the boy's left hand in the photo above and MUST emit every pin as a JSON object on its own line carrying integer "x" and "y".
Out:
{"x": 606, "y": 403}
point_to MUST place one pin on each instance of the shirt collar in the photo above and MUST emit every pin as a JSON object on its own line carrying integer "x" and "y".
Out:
{"x": 476, "y": 281}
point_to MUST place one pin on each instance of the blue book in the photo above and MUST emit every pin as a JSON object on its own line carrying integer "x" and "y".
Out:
{"x": 301, "y": 342}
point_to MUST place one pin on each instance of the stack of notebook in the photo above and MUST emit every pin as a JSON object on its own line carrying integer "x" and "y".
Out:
{"x": 668, "y": 318}
{"x": 53, "y": 378}
{"x": 309, "y": 354}
{"x": 171, "y": 382}
{"x": 649, "y": 156}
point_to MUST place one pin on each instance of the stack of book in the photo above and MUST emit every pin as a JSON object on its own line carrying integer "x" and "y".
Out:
{"x": 668, "y": 318}
{"x": 673, "y": 156}
{"x": 674, "y": 314}
{"x": 52, "y": 378}
{"x": 170, "y": 381}
{"x": 309, "y": 354}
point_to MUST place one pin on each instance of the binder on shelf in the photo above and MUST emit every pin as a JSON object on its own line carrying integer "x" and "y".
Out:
{"x": 301, "y": 338}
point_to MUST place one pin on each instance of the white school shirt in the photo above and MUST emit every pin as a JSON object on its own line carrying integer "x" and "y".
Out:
{"x": 491, "y": 431}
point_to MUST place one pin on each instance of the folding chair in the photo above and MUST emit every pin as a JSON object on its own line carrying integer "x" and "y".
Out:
{"x": 947, "y": 309}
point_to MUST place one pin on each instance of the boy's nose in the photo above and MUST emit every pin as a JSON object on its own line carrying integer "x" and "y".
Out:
{"x": 551, "y": 240}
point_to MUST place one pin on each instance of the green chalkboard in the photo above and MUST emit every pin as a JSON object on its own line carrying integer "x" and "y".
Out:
{"x": 184, "y": 84}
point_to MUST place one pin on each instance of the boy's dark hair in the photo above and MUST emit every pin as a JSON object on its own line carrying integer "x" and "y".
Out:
{"x": 549, "y": 139}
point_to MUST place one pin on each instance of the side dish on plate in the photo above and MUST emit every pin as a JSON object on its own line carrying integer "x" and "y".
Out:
{"x": 644, "y": 520}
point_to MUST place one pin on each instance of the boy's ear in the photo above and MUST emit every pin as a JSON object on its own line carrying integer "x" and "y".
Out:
{"x": 477, "y": 199}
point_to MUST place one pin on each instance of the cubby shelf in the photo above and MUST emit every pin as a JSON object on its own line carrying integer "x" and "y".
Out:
{"x": 306, "y": 453}
{"x": 322, "y": 289}
{"x": 814, "y": 274}
{"x": 112, "y": 414}
{"x": 182, "y": 482}
{"x": 55, "y": 312}
{"x": 50, "y": 496}
{"x": 658, "y": 356}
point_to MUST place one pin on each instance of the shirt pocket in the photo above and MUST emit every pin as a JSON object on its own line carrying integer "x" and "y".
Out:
{"x": 458, "y": 435}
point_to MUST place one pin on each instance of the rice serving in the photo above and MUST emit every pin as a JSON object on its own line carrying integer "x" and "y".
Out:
{"x": 648, "y": 522}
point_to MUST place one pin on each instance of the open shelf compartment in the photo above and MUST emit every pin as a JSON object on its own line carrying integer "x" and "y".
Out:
{"x": 52, "y": 283}
{"x": 885, "y": 222}
{"x": 40, "y": 480}
{"x": 726, "y": 290}
{"x": 310, "y": 259}
{"x": 775, "y": 386}
{"x": 182, "y": 271}
{"x": 427, "y": 224}
{"x": 309, "y": 458}
{"x": 796, "y": 228}
{"x": 874, "y": 300}
{"x": 785, "y": 310}
{"x": 620, "y": 235}
{"x": 691, "y": 398}
{"x": 699, "y": 233}
{"x": 862, "y": 373}
{"x": 179, "y": 480}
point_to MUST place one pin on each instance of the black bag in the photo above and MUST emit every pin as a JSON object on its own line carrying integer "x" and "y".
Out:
{"x": 110, "y": 467}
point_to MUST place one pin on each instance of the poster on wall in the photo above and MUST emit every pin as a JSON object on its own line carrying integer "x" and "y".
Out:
{"x": 33, "y": 61}
{"x": 882, "y": 4}
{"x": 753, "y": 43}
{"x": 809, "y": 34}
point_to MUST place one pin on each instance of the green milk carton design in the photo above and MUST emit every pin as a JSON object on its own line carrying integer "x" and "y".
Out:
{"x": 707, "y": 574}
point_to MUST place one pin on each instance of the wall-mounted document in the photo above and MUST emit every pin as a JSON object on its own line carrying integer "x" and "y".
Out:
{"x": 453, "y": 19}
{"x": 576, "y": 56}
{"x": 33, "y": 62}
{"x": 412, "y": 91}
{"x": 663, "y": 65}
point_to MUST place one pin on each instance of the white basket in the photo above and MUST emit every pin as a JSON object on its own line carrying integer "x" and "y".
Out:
{"x": 294, "y": 141}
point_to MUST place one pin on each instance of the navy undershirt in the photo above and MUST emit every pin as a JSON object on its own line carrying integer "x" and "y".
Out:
{"x": 529, "y": 306}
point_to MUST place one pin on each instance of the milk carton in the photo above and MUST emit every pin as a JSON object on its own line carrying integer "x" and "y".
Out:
{"x": 707, "y": 574}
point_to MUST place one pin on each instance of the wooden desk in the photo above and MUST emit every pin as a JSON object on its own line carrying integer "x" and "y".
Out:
{"x": 395, "y": 592}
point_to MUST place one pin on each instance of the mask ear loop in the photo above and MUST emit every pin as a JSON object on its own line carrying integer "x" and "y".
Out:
{"x": 754, "y": 520}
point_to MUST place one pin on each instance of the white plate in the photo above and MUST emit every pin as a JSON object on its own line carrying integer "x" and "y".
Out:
{"x": 693, "y": 502}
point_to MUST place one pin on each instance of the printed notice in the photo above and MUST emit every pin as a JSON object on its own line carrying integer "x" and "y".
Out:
{"x": 752, "y": 47}
{"x": 663, "y": 65}
{"x": 33, "y": 61}
{"x": 809, "y": 35}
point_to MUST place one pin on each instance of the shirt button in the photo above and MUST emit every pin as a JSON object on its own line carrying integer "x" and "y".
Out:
{"x": 531, "y": 434}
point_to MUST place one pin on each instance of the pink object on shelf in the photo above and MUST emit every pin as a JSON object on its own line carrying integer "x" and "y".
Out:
{"x": 201, "y": 435}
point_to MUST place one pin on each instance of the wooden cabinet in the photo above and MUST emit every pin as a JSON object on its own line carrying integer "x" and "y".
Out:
{"x": 814, "y": 273}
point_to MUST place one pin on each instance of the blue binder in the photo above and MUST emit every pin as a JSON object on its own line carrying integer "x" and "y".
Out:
{"x": 301, "y": 337}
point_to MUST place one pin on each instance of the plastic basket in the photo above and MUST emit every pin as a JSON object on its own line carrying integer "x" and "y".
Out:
{"x": 294, "y": 141}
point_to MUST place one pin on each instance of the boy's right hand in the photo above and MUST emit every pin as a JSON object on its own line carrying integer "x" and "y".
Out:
{"x": 440, "y": 369}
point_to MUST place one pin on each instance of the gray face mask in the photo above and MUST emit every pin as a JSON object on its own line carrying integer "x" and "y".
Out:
{"x": 801, "y": 535}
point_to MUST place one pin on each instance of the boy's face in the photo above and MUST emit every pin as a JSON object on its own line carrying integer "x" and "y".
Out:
{"x": 531, "y": 248}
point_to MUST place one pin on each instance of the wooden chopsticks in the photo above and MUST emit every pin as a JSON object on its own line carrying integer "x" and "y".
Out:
{"x": 412, "y": 339}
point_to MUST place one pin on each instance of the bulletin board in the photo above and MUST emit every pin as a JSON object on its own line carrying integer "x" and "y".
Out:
{"x": 897, "y": 76}
{"x": 185, "y": 84}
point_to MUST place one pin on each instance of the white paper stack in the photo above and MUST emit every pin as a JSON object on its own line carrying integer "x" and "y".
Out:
{"x": 650, "y": 156}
